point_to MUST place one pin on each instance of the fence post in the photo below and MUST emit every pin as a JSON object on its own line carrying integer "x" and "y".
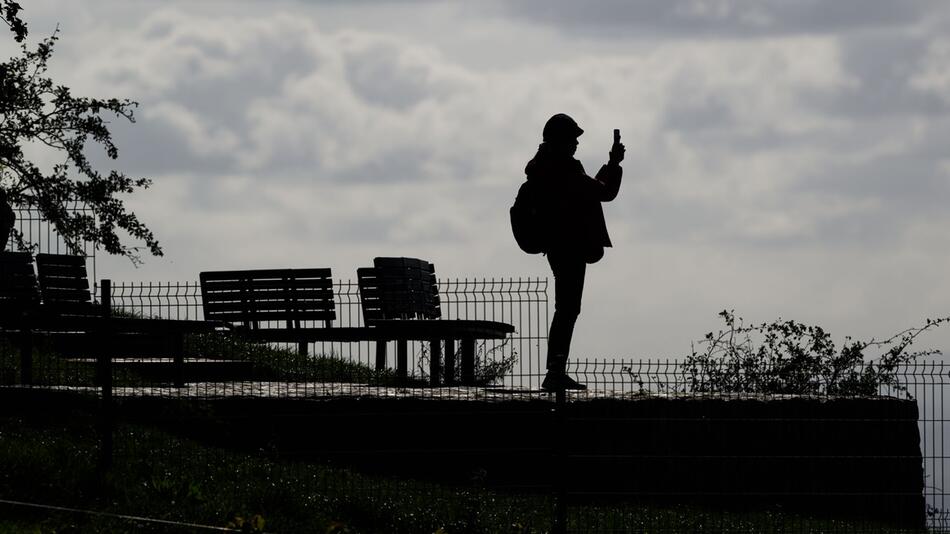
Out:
{"x": 104, "y": 368}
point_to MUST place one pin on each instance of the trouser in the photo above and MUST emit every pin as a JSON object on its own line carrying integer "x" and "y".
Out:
{"x": 569, "y": 270}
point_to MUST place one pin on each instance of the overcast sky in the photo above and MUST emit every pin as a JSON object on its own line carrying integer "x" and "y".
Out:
{"x": 785, "y": 158}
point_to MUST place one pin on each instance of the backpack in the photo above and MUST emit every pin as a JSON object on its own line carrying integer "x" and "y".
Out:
{"x": 527, "y": 221}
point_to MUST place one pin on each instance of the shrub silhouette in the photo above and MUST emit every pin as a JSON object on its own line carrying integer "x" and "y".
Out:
{"x": 788, "y": 357}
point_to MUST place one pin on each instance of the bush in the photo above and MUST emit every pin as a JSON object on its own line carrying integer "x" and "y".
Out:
{"x": 787, "y": 357}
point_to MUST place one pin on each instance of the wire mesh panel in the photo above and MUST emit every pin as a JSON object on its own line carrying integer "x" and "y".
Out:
{"x": 645, "y": 449}
{"x": 163, "y": 300}
{"x": 43, "y": 234}
{"x": 926, "y": 383}
{"x": 516, "y": 361}
{"x": 890, "y": 445}
{"x": 651, "y": 446}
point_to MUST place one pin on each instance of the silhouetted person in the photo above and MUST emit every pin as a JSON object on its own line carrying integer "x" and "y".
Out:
{"x": 7, "y": 219}
{"x": 577, "y": 232}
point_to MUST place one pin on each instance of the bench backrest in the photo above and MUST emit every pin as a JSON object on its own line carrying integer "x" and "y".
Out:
{"x": 251, "y": 297}
{"x": 399, "y": 288}
{"x": 64, "y": 285}
{"x": 18, "y": 290}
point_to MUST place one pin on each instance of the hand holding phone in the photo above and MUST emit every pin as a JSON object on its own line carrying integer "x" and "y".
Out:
{"x": 617, "y": 150}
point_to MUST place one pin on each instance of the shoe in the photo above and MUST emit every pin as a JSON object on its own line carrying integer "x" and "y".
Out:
{"x": 559, "y": 382}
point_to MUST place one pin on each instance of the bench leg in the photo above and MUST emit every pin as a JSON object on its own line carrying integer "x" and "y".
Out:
{"x": 449, "y": 361}
{"x": 468, "y": 362}
{"x": 402, "y": 357}
{"x": 435, "y": 361}
{"x": 381, "y": 354}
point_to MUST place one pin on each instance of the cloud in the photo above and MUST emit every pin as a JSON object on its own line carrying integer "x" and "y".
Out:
{"x": 730, "y": 143}
{"x": 784, "y": 160}
{"x": 718, "y": 18}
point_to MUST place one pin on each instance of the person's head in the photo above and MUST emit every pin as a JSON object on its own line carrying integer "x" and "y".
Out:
{"x": 561, "y": 133}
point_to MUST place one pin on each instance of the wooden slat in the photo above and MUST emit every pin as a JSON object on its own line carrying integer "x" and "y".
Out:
{"x": 268, "y": 284}
{"x": 255, "y": 316}
{"x": 55, "y": 294}
{"x": 65, "y": 283}
{"x": 274, "y": 283}
{"x": 444, "y": 328}
{"x": 269, "y": 305}
{"x": 18, "y": 281}
{"x": 18, "y": 288}
{"x": 400, "y": 288}
{"x": 261, "y": 295}
{"x": 17, "y": 269}
{"x": 24, "y": 258}
{"x": 259, "y": 274}
{"x": 61, "y": 271}
{"x": 60, "y": 259}
{"x": 17, "y": 292}
{"x": 253, "y": 296}
{"x": 63, "y": 308}
{"x": 370, "y": 301}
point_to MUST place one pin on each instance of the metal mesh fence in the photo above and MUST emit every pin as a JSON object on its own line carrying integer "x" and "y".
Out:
{"x": 43, "y": 234}
{"x": 637, "y": 452}
{"x": 642, "y": 450}
{"x": 521, "y": 302}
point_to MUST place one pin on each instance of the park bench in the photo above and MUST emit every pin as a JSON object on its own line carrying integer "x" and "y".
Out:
{"x": 276, "y": 305}
{"x": 57, "y": 309}
{"x": 400, "y": 301}
{"x": 297, "y": 306}
{"x": 294, "y": 306}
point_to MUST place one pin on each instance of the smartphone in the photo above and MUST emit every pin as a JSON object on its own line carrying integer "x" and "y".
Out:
{"x": 616, "y": 136}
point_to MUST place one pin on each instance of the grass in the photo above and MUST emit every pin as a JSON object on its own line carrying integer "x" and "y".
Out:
{"x": 268, "y": 362}
{"x": 160, "y": 475}
{"x": 272, "y": 362}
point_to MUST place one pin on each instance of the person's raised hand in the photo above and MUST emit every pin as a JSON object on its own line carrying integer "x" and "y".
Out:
{"x": 616, "y": 153}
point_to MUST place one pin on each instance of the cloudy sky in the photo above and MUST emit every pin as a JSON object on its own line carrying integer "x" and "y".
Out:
{"x": 785, "y": 158}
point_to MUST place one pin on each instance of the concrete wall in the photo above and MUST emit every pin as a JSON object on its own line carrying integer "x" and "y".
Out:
{"x": 845, "y": 458}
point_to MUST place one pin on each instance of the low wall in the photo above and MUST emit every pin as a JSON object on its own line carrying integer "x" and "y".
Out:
{"x": 831, "y": 457}
{"x": 827, "y": 457}
{"x": 847, "y": 458}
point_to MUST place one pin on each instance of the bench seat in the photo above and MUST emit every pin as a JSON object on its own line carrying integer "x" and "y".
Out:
{"x": 384, "y": 330}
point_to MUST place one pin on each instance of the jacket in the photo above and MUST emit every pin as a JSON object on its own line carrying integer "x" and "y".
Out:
{"x": 571, "y": 202}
